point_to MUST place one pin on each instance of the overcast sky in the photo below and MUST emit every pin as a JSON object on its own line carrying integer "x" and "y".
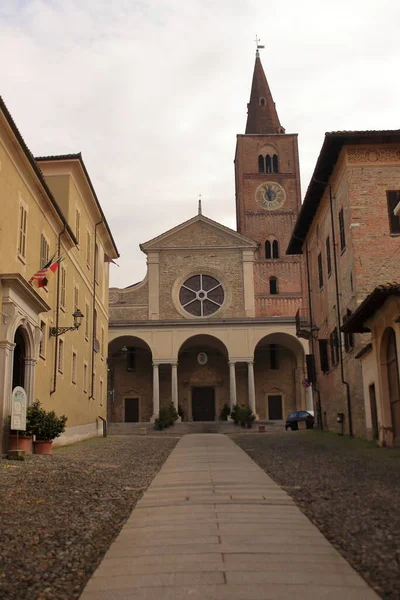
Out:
{"x": 154, "y": 92}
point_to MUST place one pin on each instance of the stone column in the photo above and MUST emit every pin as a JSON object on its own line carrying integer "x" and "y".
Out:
{"x": 156, "y": 392}
{"x": 6, "y": 364}
{"x": 232, "y": 383}
{"x": 252, "y": 391}
{"x": 174, "y": 386}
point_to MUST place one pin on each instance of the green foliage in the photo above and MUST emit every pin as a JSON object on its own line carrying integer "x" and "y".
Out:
{"x": 225, "y": 412}
{"x": 45, "y": 425}
{"x": 235, "y": 414}
{"x": 166, "y": 417}
{"x": 180, "y": 412}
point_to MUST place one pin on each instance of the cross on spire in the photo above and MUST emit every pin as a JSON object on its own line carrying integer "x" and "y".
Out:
{"x": 258, "y": 46}
{"x": 199, "y": 212}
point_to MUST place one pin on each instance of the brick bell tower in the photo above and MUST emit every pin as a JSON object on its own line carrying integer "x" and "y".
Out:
{"x": 267, "y": 179}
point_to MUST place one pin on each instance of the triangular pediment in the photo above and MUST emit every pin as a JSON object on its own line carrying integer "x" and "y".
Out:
{"x": 199, "y": 232}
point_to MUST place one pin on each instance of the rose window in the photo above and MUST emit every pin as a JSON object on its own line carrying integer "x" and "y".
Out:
{"x": 201, "y": 295}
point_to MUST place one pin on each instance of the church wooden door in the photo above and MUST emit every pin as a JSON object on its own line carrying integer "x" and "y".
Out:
{"x": 203, "y": 404}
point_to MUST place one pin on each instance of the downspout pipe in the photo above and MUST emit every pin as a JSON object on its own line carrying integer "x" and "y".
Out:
{"x": 338, "y": 311}
{"x": 53, "y": 390}
{"x": 314, "y": 383}
{"x": 91, "y": 397}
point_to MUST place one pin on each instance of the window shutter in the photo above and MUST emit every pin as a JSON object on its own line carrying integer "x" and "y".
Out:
{"x": 310, "y": 362}
{"x": 323, "y": 355}
{"x": 393, "y": 198}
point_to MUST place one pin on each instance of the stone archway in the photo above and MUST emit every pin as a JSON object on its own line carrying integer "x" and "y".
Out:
{"x": 130, "y": 380}
{"x": 203, "y": 377}
{"x": 278, "y": 372}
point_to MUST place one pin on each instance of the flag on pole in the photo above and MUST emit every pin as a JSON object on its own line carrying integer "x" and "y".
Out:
{"x": 108, "y": 259}
{"x": 40, "y": 276}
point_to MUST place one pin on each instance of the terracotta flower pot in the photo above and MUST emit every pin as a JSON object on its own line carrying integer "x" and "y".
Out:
{"x": 42, "y": 447}
{"x": 24, "y": 443}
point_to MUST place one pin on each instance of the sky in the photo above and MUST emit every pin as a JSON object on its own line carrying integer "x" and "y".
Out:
{"x": 154, "y": 92}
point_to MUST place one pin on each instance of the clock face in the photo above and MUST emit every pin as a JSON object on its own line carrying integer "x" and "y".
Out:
{"x": 270, "y": 195}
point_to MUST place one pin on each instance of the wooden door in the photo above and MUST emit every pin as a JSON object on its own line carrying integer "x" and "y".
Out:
{"x": 203, "y": 404}
{"x": 275, "y": 412}
{"x": 374, "y": 412}
{"x": 131, "y": 410}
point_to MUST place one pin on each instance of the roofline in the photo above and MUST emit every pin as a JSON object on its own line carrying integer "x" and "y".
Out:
{"x": 368, "y": 307}
{"x": 333, "y": 144}
{"x": 78, "y": 156}
{"x": 35, "y": 167}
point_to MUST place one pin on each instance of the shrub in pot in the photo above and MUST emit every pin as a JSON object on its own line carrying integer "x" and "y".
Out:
{"x": 243, "y": 411}
{"x": 181, "y": 412}
{"x": 235, "y": 414}
{"x": 225, "y": 412}
{"x": 24, "y": 439}
{"x": 173, "y": 415}
{"x": 251, "y": 417}
{"x": 45, "y": 426}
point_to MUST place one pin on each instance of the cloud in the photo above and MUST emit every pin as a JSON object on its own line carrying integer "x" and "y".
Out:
{"x": 153, "y": 93}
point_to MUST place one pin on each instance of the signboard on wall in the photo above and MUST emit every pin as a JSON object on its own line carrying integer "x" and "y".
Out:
{"x": 18, "y": 409}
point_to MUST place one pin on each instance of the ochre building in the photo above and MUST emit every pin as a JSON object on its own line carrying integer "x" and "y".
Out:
{"x": 48, "y": 208}
{"x": 212, "y": 323}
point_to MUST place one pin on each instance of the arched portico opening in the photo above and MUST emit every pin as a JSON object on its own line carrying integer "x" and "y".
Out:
{"x": 130, "y": 380}
{"x": 203, "y": 378}
{"x": 390, "y": 384}
{"x": 278, "y": 372}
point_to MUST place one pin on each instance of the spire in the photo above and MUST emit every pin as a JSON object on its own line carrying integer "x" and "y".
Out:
{"x": 261, "y": 112}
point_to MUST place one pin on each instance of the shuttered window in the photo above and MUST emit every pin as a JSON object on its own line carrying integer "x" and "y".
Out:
{"x": 393, "y": 198}
{"x": 342, "y": 231}
{"x": 320, "y": 271}
{"x": 328, "y": 256}
{"x": 44, "y": 251}
{"x": 334, "y": 344}
{"x": 323, "y": 355}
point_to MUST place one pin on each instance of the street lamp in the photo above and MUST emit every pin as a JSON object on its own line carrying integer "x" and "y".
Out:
{"x": 78, "y": 316}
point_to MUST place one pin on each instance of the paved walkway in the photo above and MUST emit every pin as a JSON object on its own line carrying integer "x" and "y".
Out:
{"x": 213, "y": 526}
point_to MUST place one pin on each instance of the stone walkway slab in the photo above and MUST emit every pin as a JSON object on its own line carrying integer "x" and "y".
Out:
{"x": 213, "y": 526}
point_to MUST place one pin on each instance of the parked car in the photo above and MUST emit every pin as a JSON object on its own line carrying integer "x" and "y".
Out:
{"x": 300, "y": 416}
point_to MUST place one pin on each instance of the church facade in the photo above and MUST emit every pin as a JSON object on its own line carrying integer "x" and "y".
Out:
{"x": 212, "y": 323}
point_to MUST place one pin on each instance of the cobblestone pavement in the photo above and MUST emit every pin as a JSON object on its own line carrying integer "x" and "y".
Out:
{"x": 213, "y": 526}
{"x": 59, "y": 514}
{"x": 349, "y": 488}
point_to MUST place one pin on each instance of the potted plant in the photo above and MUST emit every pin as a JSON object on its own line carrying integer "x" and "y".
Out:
{"x": 20, "y": 440}
{"x": 243, "y": 415}
{"x": 45, "y": 426}
{"x": 225, "y": 412}
{"x": 250, "y": 418}
{"x": 235, "y": 414}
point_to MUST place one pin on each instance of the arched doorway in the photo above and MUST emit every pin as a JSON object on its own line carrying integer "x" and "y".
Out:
{"x": 203, "y": 378}
{"x": 130, "y": 380}
{"x": 392, "y": 370}
{"x": 20, "y": 356}
{"x": 278, "y": 369}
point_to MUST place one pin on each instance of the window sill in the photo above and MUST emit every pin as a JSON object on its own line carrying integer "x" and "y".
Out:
{"x": 394, "y": 234}
{"x": 60, "y": 371}
{"x": 74, "y": 382}
{"x": 21, "y": 258}
{"x": 42, "y": 356}
{"x": 343, "y": 251}
{"x": 85, "y": 391}
{"x": 62, "y": 308}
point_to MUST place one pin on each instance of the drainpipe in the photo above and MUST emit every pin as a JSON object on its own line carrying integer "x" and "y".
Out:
{"x": 52, "y": 391}
{"x": 315, "y": 386}
{"x": 91, "y": 397}
{"x": 338, "y": 311}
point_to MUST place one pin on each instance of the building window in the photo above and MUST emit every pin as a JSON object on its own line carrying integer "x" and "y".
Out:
{"x": 63, "y": 277}
{"x": 131, "y": 359}
{"x": 73, "y": 370}
{"x": 102, "y": 343}
{"x": 88, "y": 250}
{"x": 101, "y": 393}
{"x": 85, "y": 372}
{"x": 201, "y": 295}
{"x": 273, "y": 356}
{"x": 328, "y": 256}
{"x": 87, "y": 322}
{"x": 96, "y": 264}
{"x": 342, "y": 231}
{"x": 323, "y": 355}
{"x": 275, "y": 164}
{"x": 61, "y": 356}
{"x": 268, "y": 252}
{"x": 275, "y": 249}
{"x": 23, "y": 221}
{"x": 268, "y": 164}
{"x": 261, "y": 164}
{"x": 393, "y": 198}
{"x": 348, "y": 337}
{"x": 43, "y": 339}
{"x": 76, "y": 298}
{"x": 273, "y": 285}
{"x": 334, "y": 344}
{"x": 77, "y": 226}
{"x": 262, "y": 101}
{"x": 44, "y": 251}
{"x": 320, "y": 272}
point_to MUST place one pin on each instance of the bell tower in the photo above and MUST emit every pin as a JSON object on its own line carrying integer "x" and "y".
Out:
{"x": 267, "y": 179}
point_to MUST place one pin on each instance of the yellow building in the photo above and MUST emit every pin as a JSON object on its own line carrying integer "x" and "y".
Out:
{"x": 48, "y": 207}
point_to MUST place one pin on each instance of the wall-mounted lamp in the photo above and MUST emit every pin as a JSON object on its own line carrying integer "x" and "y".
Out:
{"x": 78, "y": 316}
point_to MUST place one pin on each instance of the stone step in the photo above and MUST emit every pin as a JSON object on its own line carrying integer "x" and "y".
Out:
{"x": 181, "y": 428}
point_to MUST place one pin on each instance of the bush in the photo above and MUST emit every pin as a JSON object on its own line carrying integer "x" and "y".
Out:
{"x": 43, "y": 424}
{"x": 225, "y": 412}
{"x": 235, "y": 414}
{"x": 166, "y": 417}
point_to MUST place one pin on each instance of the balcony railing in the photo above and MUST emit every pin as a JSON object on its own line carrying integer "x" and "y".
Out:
{"x": 303, "y": 325}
